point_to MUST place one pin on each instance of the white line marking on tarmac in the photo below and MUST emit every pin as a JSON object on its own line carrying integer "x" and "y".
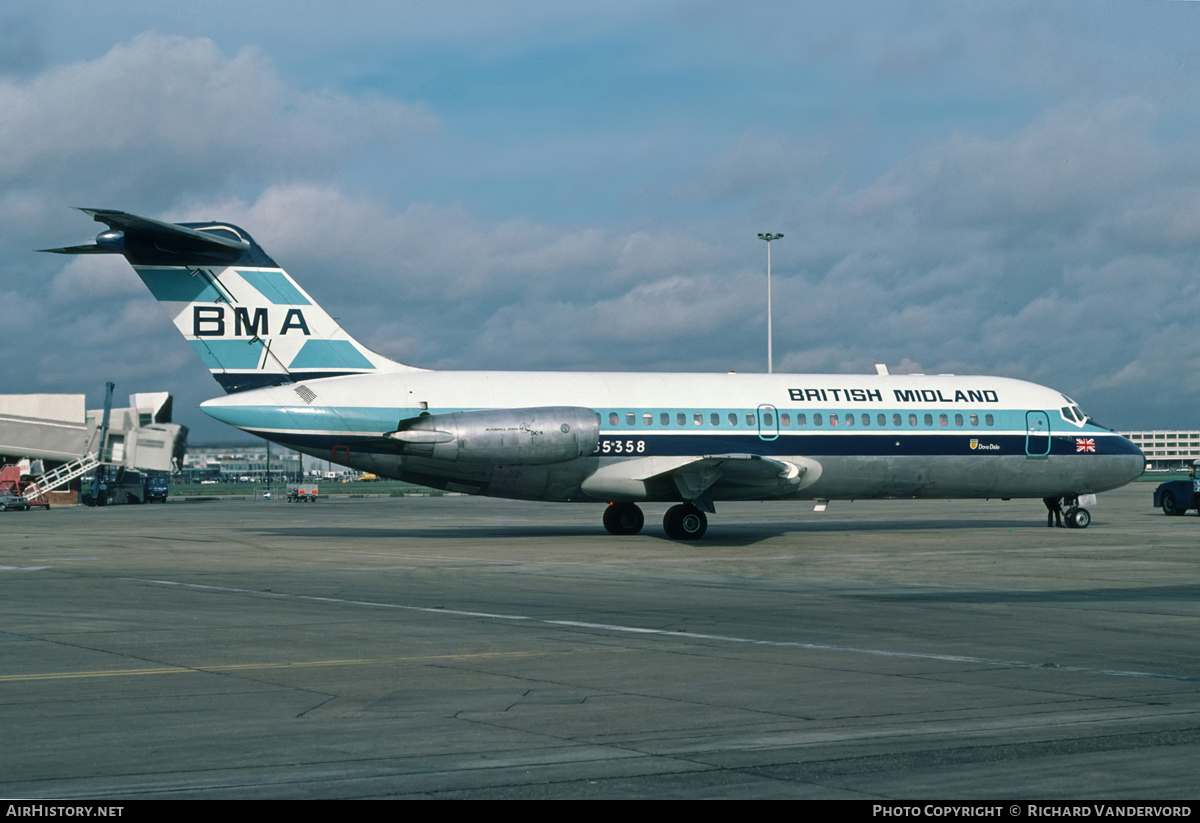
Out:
{"x": 611, "y": 627}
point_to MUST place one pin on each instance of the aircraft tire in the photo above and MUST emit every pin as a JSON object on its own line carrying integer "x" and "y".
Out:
{"x": 685, "y": 522}
{"x": 623, "y": 518}
{"x": 1081, "y": 518}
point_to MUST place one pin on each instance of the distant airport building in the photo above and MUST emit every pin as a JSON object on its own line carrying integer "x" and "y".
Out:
{"x": 1167, "y": 449}
{"x": 239, "y": 463}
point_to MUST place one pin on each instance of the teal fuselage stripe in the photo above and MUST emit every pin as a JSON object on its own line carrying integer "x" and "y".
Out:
{"x": 372, "y": 419}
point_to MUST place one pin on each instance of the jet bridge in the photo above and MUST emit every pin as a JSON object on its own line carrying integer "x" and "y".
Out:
{"x": 58, "y": 440}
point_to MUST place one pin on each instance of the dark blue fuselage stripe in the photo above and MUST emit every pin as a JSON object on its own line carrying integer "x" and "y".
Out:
{"x": 813, "y": 445}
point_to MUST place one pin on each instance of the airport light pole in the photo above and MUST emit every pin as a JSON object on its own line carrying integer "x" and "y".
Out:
{"x": 769, "y": 237}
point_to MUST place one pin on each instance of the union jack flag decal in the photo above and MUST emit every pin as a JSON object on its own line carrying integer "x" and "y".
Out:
{"x": 1085, "y": 444}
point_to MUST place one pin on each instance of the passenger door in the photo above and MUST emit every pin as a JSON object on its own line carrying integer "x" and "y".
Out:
{"x": 1037, "y": 434}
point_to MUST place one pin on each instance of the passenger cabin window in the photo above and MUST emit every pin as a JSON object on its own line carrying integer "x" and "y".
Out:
{"x": 958, "y": 420}
{"x": 698, "y": 419}
{"x": 664, "y": 419}
{"x": 630, "y": 418}
{"x": 733, "y": 418}
{"x": 749, "y": 420}
{"x": 929, "y": 420}
{"x": 866, "y": 421}
{"x": 833, "y": 419}
{"x": 991, "y": 421}
{"x": 912, "y": 420}
{"x": 850, "y": 420}
{"x": 882, "y": 420}
{"x": 681, "y": 419}
{"x": 785, "y": 419}
{"x": 943, "y": 420}
{"x": 614, "y": 419}
{"x": 768, "y": 419}
{"x": 817, "y": 419}
{"x": 974, "y": 420}
{"x": 647, "y": 419}
{"x": 802, "y": 420}
{"x": 897, "y": 420}
{"x": 715, "y": 419}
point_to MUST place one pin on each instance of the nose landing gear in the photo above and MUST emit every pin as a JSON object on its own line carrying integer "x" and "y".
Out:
{"x": 1076, "y": 517}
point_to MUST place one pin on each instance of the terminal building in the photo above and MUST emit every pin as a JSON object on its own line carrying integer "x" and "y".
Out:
{"x": 241, "y": 463}
{"x": 1167, "y": 450}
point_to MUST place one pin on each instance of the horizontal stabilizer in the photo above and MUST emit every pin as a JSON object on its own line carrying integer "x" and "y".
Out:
{"x": 147, "y": 241}
{"x": 90, "y": 248}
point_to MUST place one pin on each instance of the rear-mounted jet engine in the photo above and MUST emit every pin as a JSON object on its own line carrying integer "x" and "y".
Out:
{"x": 527, "y": 437}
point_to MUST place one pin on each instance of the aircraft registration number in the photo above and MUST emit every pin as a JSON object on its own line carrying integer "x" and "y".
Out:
{"x": 622, "y": 446}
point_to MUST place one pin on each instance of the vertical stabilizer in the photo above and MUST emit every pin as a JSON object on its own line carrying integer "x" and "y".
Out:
{"x": 242, "y": 314}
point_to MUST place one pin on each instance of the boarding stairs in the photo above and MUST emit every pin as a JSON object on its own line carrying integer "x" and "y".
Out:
{"x": 64, "y": 474}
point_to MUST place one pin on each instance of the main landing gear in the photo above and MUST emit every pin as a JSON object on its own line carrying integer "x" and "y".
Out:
{"x": 685, "y": 522}
{"x": 682, "y": 522}
{"x": 623, "y": 518}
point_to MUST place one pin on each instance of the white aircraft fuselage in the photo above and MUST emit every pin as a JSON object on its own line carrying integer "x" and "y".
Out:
{"x": 295, "y": 377}
{"x": 847, "y": 436}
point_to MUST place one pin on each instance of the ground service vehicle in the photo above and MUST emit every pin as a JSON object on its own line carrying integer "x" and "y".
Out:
{"x": 1177, "y": 496}
{"x": 156, "y": 488}
{"x": 302, "y": 493}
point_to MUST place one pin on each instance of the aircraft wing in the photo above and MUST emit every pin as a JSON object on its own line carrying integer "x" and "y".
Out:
{"x": 695, "y": 477}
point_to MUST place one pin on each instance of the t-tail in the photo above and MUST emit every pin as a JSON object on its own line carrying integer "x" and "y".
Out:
{"x": 246, "y": 318}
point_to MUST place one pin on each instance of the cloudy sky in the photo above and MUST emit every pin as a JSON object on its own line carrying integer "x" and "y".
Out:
{"x": 971, "y": 187}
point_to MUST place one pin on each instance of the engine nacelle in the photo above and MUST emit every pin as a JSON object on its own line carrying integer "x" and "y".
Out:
{"x": 531, "y": 437}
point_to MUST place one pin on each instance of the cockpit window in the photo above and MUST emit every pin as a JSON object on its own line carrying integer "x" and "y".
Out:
{"x": 1074, "y": 414}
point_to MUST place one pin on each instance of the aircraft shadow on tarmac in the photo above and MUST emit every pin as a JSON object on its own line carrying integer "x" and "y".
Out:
{"x": 720, "y": 534}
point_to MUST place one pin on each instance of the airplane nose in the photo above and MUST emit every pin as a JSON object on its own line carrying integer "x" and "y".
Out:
{"x": 1124, "y": 463}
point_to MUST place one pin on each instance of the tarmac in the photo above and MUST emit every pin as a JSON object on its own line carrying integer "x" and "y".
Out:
{"x": 477, "y": 648}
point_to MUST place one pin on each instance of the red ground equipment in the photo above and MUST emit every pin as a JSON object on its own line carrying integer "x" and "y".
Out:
{"x": 11, "y": 481}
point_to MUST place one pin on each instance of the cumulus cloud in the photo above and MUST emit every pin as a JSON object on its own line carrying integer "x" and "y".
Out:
{"x": 160, "y": 116}
{"x": 1064, "y": 163}
{"x": 436, "y": 285}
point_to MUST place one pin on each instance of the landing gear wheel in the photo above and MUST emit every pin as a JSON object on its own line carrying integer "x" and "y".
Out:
{"x": 1170, "y": 507}
{"x": 623, "y": 518}
{"x": 1079, "y": 518}
{"x": 685, "y": 522}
